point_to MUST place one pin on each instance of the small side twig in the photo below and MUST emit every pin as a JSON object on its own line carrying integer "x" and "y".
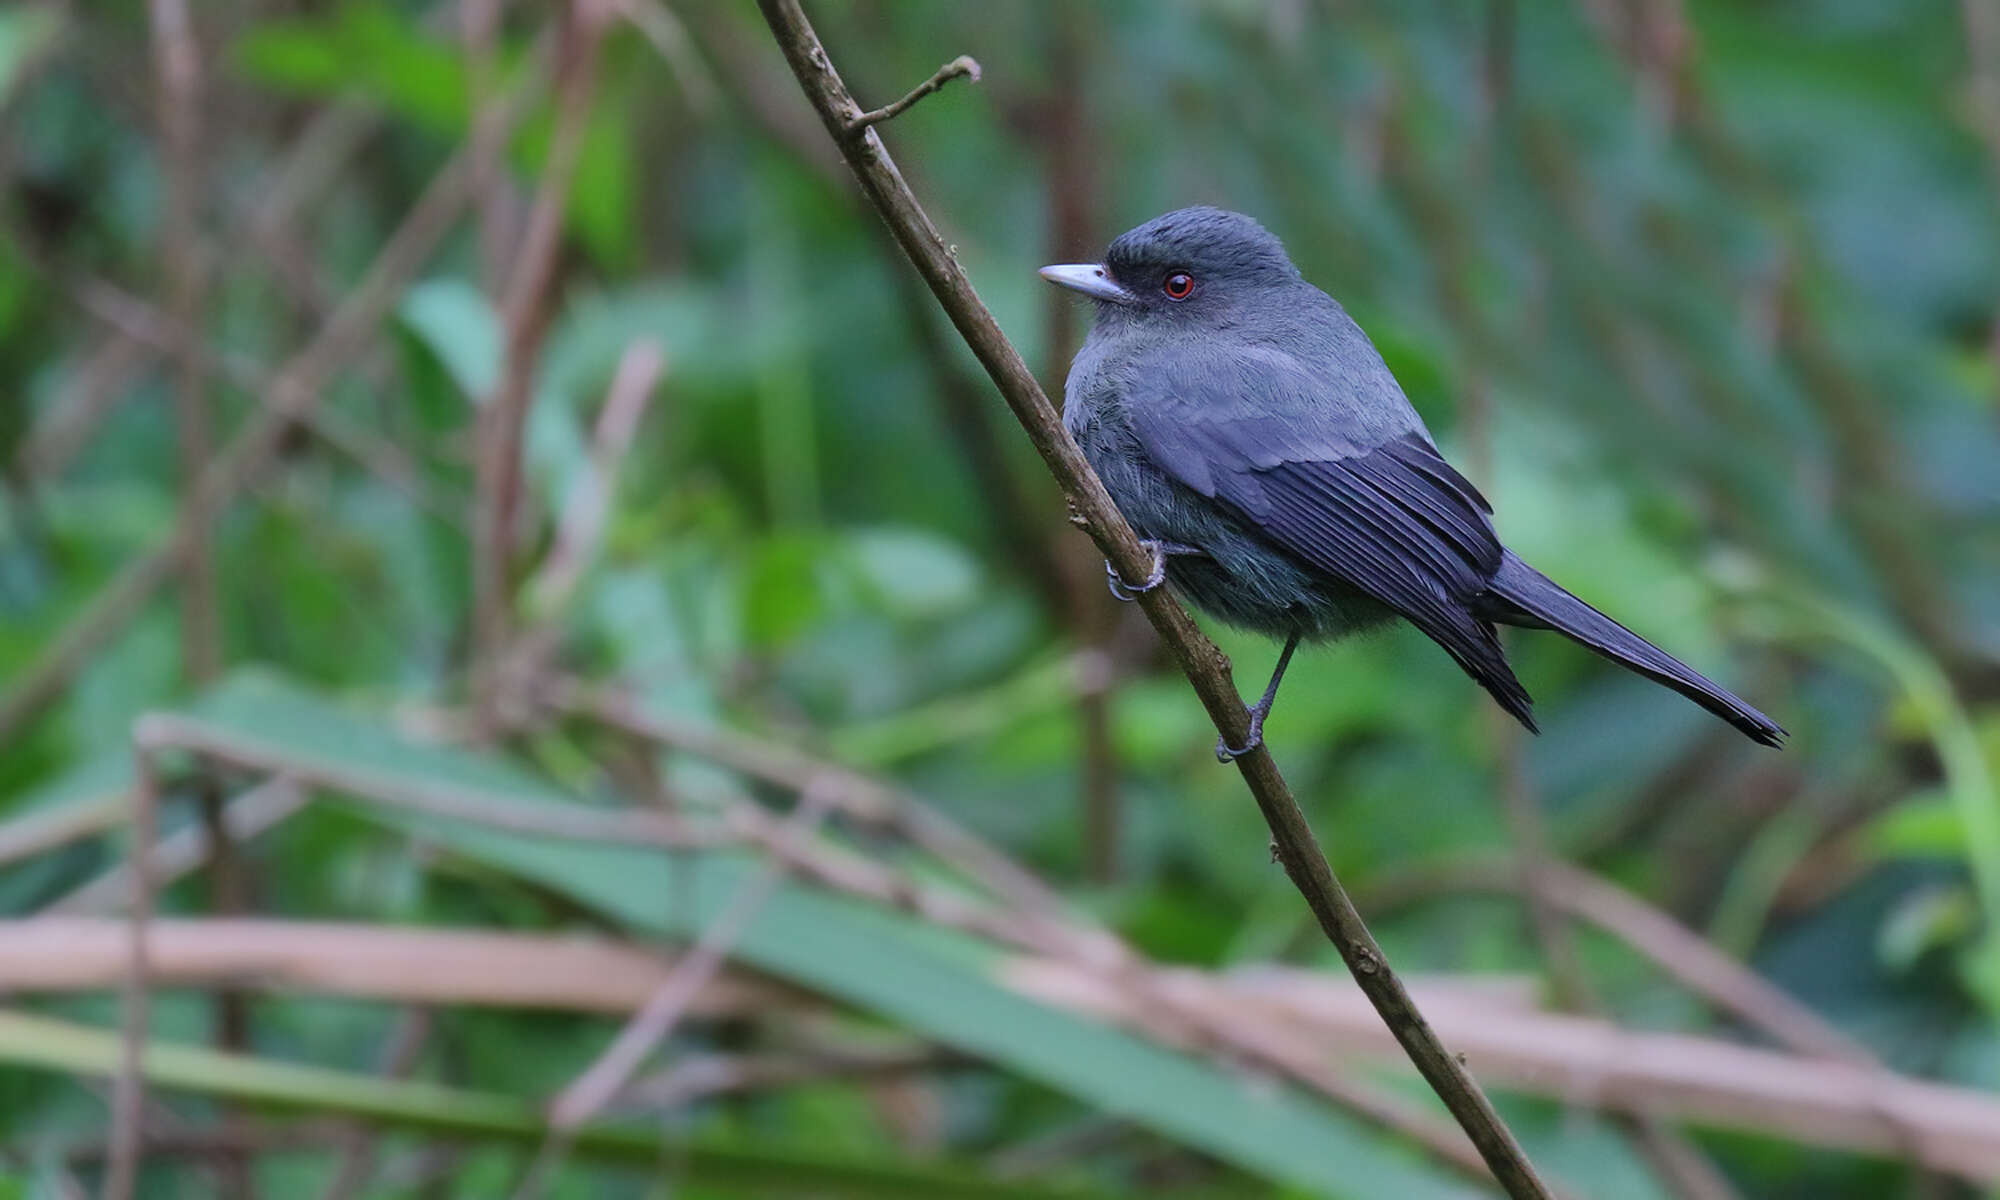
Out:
{"x": 580, "y": 528}
{"x": 963, "y": 67}
{"x": 173, "y": 856}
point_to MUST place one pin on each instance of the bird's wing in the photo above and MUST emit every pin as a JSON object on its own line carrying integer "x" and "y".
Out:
{"x": 1376, "y": 508}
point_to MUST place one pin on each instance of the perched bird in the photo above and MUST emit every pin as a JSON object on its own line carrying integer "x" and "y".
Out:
{"x": 1249, "y": 431}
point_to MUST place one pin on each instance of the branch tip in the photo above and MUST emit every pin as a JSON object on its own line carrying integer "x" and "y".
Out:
{"x": 963, "y": 67}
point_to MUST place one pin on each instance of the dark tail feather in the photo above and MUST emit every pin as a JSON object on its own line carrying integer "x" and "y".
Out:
{"x": 1524, "y": 596}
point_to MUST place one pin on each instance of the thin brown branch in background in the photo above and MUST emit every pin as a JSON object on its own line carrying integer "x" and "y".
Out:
{"x": 177, "y": 66}
{"x": 486, "y": 143}
{"x": 412, "y": 966}
{"x": 333, "y": 136}
{"x": 526, "y": 308}
{"x": 1061, "y": 128}
{"x": 43, "y": 829}
{"x": 580, "y": 528}
{"x": 129, "y": 1093}
{"x": 1204, "y": 665}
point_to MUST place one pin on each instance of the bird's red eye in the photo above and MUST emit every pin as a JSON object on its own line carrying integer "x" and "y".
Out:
{"x": 1178, "y": 286}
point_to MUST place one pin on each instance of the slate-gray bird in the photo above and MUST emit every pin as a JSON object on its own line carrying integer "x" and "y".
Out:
{"x": 1249, "y": 431}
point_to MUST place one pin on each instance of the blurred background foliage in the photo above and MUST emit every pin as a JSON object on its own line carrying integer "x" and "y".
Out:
{"x": 1701, "y": 294}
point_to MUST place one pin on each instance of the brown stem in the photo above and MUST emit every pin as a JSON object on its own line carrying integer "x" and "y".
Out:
{"x": 1062, "y": 130}
{"x": 176, "y": 62}
{"x": 1205, "y": 666}
{"x": 129, "y": 1092}
{"x": 177, "y": 65}
{"x": 525, "y": 310}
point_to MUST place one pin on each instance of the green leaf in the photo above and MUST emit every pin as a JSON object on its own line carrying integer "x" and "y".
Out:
{"x": 366, "y": 48}
{"x": 1921, "y": 825}
{"x": 783, "y": 594}
{"x": 454, "y": 321}
{"x": 916, "y": 573}
{"x": 1925, "y": 920}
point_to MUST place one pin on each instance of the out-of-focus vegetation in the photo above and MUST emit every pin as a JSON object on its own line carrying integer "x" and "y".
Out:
{"x": 1703, "y": 296}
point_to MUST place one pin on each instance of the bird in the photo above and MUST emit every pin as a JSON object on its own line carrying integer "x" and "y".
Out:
{"x": 1252, "y": 436}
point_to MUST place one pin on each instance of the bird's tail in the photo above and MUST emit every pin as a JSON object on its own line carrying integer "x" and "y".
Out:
{"x": 1521, "y": 595}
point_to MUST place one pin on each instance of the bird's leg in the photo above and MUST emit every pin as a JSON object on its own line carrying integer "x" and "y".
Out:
{"x": 1224, "y": 752}
{"x": 1129, "y": 592}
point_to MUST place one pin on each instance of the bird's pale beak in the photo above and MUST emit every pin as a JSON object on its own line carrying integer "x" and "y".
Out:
{"x": 1091, "y": 279}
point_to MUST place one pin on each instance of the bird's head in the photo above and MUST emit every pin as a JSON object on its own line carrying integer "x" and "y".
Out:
{"x": 1174, "y": 267}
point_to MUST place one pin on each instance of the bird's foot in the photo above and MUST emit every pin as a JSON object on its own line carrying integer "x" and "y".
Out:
{"x": 1160, "y": 551}
{"x": 1226, "y": 753}
{"x": 1129, "y": 592}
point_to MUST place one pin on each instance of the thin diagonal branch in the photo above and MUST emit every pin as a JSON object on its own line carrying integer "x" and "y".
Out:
{"x": 1206, "y": 667}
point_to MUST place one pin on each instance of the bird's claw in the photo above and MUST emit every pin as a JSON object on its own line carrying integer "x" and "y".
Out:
{"x": 1226, "y": 753}
{"x": 1129, "y": 592}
